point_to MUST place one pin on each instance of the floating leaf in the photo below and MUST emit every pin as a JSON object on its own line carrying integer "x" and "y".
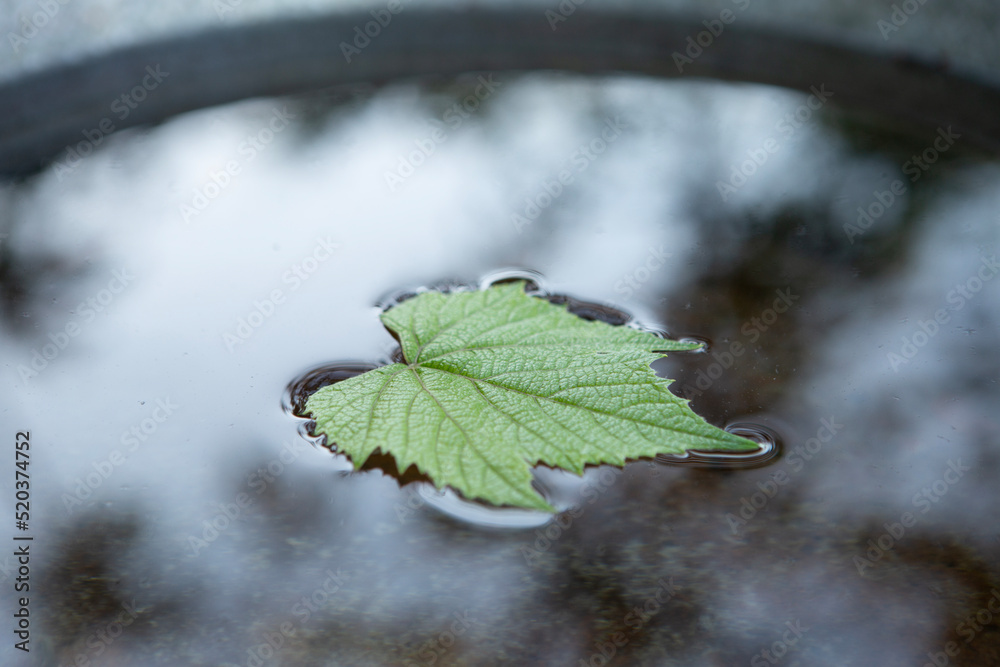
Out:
{"x": 496, "y": 381}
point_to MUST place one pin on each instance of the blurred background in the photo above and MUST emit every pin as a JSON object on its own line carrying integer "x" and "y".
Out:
{"x": 159, "y": 293}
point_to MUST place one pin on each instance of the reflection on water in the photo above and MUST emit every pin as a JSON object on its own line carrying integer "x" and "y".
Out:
{"x": 181, "y": 519}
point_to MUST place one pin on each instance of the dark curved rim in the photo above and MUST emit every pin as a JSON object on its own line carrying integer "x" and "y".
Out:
{"x": 43, "y": 114}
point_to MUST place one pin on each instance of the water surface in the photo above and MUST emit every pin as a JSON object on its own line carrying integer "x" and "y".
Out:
{"x": 180, "y": 517}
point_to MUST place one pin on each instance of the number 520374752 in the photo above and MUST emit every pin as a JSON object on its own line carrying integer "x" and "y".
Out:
{"x": 22, "y": 459}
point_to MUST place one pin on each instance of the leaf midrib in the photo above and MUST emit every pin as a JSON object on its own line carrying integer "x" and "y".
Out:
{"x": 588, "y": 409}
{"x": 511, "y": 484}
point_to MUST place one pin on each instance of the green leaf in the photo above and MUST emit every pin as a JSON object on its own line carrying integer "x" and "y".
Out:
{"x": 497, "y": 381}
